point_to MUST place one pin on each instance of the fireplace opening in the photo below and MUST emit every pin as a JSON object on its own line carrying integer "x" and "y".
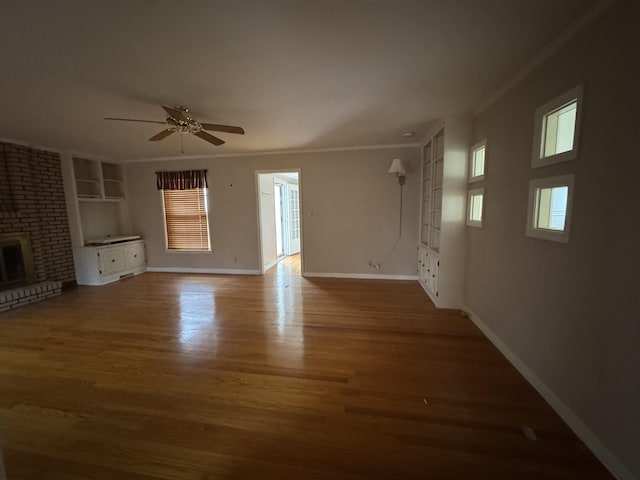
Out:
{"x": 16, "y": 260}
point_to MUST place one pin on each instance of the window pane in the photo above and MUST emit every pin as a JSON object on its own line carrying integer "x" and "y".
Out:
{"x": 559, "y": 130}
{"x": 478, "y": 162}
{"x": 551, "y": 208}
{"x": 475, "y": 207}
{"x": 186, "y": 219}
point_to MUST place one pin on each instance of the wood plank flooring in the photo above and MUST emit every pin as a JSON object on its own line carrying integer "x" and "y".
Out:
{"x": 201, "y": 377}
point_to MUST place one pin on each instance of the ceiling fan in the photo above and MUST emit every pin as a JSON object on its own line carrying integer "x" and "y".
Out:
{"x": 179, "y": 119}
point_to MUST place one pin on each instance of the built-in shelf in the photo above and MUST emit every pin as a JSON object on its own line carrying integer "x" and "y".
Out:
{"x": 95, "y": 179}
{"x": 441, "y": 243}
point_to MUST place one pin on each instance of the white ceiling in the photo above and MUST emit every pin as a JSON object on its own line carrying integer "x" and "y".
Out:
{"x": 294, "y": 73}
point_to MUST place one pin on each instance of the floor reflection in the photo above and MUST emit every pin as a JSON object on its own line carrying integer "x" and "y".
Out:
{"x": 285, "y": 334}
{"x": 198, "y": 328}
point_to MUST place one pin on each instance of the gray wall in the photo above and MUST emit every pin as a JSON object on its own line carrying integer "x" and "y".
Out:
{"x": 571, "y": 311}
{"x": 350, "y": 210}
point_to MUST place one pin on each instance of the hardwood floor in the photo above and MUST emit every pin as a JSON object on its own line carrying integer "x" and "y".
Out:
{"x": 167, "y": 376}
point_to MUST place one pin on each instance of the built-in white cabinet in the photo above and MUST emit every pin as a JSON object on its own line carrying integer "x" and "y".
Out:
{"x": 99, "y": 222}
{"x": 441, "y": 247}
{"x": 98, "y": 265}
{"x": 95, "y": 194}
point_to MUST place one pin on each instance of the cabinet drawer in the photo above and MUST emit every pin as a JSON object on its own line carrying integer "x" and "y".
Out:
{"x": 134, "y": 255}
{"x": 111, "y": 261}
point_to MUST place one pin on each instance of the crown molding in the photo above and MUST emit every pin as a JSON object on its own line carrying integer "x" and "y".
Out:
{"x": 92, "y": 156}
{"x": 273, "y": 152}
{"x": 569, "y": 33}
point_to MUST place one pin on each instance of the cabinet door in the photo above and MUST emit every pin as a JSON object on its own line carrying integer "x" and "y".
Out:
{"x": 422, "y": 264}
{"x": 432, "y": 266}
{"x": 134, "y": 255}
{"x": 111, "y": 260}
{"x": 435, "y": 267}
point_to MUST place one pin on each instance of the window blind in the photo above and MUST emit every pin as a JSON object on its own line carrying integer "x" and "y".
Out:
{"x": 186, "y": 219}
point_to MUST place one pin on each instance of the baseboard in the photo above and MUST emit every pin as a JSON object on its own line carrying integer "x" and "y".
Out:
{"x": 270, "y": 265}
{"x": 363, "y": 276}
{"x": 219, "y": 271}
{"x": 591, "y": 440}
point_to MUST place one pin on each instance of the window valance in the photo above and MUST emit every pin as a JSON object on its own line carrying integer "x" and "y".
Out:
{"x": 182, "y": 180}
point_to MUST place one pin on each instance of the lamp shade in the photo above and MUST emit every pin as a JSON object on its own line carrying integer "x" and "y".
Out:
{"x": 397, "y": 167}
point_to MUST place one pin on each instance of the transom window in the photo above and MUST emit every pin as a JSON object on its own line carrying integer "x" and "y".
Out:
{"x": 550, "y": 201}
{"x": 475, "y": 204}
{"x": 477, "y": 163}
{"x": 557, "y": 129}
{"x": 551, "y": 208}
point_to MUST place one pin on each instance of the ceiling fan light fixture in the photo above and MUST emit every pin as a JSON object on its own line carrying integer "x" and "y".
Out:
{"x": 180, "y": 120}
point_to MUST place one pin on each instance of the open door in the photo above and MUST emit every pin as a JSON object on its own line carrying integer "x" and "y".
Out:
{"x": 280, "y": 220}
{"x": 293, "y": 197}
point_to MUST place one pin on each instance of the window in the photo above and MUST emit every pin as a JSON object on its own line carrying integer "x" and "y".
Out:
{"x": 557, "y": 129}
{"x": 294, "y": 212}
{"x": 186, "y": 222}
{"x": 475, "y": 203}
{"x": 550, "y": 202}
{"x": 476, "y": 165}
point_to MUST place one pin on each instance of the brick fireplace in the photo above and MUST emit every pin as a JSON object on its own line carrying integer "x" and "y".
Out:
{"x": 35, "y": 242}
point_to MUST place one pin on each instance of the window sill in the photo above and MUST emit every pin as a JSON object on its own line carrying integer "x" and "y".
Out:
{"x": 174, "y": 250}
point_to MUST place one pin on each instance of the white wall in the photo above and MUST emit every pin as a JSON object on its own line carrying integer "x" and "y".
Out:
{"x": 570, "y": 312}
{"x": 268, "y": 219}
{"x": 349, "y": 210}
{"x": 100, "y": 219}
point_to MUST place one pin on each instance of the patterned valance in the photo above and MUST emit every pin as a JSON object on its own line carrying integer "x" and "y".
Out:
{"x": 184, "y": 180}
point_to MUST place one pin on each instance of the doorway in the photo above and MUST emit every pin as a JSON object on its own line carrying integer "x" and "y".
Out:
{"x": 280, "y": 226}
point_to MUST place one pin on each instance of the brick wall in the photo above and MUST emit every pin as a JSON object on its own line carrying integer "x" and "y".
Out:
{"x": 32, "y": 200}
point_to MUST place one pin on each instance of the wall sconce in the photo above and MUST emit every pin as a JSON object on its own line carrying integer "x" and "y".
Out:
{"x": 397, "y": 168}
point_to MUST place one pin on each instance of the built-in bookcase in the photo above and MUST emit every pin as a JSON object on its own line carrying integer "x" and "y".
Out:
{"x": 98, "y": 180}
{"x": 443, "y": 212}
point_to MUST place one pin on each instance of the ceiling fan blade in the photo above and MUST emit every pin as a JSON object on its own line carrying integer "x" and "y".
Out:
{"x": 209, "y": 138}
{"x": 173, "y": 113}
{"x": 161, "y": 135}
{"x": 134, "y": 120}
{"x": 223, "y": 128}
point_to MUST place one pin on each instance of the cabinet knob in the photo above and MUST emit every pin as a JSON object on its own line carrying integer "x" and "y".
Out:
{"x": 135, "y": 256}
{"x": 113, "y": 260}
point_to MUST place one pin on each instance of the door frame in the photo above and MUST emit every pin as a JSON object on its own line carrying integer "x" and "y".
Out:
{"x": 261, "y": 268}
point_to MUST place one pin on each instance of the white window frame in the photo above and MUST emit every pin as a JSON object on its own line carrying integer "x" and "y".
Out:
{"x": 474, "y": 148}
{"x": 470, "y": 194}
{"x": 537, "y": 161}
{"x": 550, "y": 182}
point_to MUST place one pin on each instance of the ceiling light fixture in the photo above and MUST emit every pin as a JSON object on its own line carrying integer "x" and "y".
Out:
{"x": 408, "y": 134}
